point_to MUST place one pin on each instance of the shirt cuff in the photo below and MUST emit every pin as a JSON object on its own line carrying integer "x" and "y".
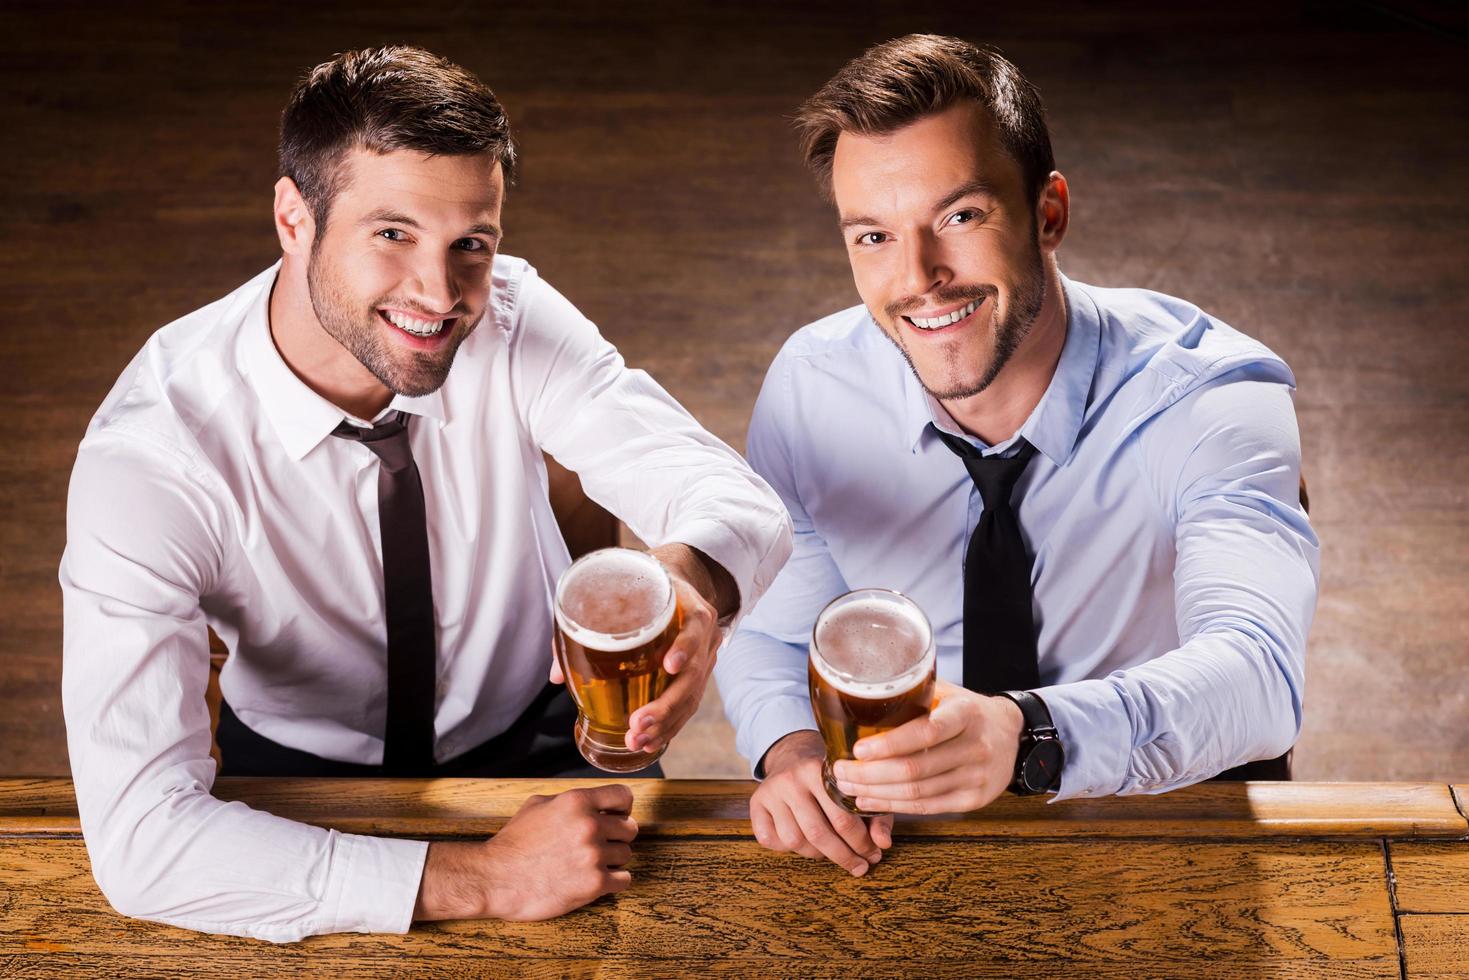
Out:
{"x": 1096, "y": 734}
{"x": 726, "y": 546}
{"x": 376, "y": 887}
{"x": 774, "y": 720}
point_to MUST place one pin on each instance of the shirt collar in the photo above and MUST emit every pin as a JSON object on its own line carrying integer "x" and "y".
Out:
{"x": 302, "y": 418}
{"x": 1055, "y": 423}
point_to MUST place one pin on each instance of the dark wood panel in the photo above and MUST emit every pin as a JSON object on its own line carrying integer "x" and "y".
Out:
{"x": 1300, "y": 169}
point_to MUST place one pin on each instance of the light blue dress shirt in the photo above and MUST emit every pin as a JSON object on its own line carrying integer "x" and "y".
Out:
{"x": 1175, "y": 571}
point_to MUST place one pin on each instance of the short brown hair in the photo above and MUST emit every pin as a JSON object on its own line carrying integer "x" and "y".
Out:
{"x": 900, "y": 81}
{"x": 383, "y": 99}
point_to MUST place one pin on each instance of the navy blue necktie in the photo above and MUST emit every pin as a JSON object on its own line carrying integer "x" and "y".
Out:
{"x": 999, "y": 626}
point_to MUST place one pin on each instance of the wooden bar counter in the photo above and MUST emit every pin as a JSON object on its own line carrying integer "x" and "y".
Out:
{"x": 1237, "y": 880}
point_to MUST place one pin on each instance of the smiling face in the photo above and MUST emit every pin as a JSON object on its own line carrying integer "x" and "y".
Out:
{"x": 942, "y": 241}
{"x": 401, "y": 273}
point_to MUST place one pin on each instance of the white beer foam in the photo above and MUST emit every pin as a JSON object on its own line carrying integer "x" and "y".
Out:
{"x": 914, "y": 630}
{"x": 607, "y": 588}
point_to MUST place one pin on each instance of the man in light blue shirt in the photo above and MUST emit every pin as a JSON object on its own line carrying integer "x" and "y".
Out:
{"x": 1173, "y": 571}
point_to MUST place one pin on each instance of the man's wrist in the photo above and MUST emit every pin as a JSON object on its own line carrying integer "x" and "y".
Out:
{"x": 709, "y": 578}
{"x": 1039, "y": 756}
{"x": 1014, "y": 722}
{"x": 452, "y": 886}
{"x": 791, "y": 749}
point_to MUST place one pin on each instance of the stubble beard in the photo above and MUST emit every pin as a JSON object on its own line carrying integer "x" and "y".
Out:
{"x": 1009, "y": 331}
{"x": 424, "y": 372}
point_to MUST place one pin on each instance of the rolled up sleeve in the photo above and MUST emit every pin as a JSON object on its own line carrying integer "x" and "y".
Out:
{"x": 637, "y": 451}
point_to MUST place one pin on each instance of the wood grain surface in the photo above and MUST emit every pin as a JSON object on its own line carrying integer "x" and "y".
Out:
{"x": 1241, "y": 880}
{"x": 469, "y": 964}
{"x": 1436, "y": 947}
{"x": 1431, "y": 876}
{"x": 992, "y": 906}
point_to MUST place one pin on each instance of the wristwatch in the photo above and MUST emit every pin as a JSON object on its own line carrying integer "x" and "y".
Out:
{"x": 1040, "y": 758}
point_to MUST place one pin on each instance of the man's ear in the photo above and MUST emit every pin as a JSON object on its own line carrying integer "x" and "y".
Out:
{"x": 1052, "y": 213}
{"x": 294, "y": 224}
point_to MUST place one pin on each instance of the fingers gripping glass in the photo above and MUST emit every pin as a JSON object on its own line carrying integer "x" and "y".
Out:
{"x": 872, "y": 668}
{"x": 616, "y": 617}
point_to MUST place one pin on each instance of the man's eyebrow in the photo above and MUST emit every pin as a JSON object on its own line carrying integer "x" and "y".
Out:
{"x": 976, "y": 186}
{"x": 858, "y": 220}
{"x": 390, "y": 217}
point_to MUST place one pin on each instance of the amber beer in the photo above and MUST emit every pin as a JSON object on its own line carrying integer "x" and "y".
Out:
{"x": 871, "y": 670}
{"x": 616, "y": 617}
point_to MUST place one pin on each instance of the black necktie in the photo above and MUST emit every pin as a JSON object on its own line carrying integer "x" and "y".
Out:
{"x": 999, "y": 628}
{"x": 408, "y": 741}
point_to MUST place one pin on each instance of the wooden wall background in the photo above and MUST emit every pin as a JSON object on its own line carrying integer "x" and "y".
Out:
{"x": 1299, "y": 169}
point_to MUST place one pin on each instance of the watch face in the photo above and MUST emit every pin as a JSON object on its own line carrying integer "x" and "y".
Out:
{"x": 1042, "y": 766}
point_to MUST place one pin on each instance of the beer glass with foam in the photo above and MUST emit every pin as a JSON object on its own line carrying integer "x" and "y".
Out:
{"x": 616, "y": 617}
{"x": 872, "y": 668}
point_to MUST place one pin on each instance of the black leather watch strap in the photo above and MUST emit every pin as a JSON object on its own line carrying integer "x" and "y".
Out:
{"x": 1038, "y": 728}
{"x": 1033, "y": 709}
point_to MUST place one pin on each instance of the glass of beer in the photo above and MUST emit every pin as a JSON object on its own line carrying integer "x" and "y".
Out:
{"x": 872, "y": 668}
{"x": 616, "y": 617}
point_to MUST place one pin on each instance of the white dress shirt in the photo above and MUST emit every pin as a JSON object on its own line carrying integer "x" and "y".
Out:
{"x": 209, "y": 491}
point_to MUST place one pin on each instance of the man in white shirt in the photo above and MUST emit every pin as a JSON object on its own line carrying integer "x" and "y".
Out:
{"x": 210, "y": 491}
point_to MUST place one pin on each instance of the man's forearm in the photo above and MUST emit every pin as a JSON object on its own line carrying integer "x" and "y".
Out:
{"x": 706, "y": 575}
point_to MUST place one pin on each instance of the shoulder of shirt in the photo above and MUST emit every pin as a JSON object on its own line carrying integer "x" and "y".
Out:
{"x": 1164, "y": 347}
{"x": 178, "y": 382}
{"x": 1158, "y": 355}
{"x": 1172, "y": 343}
{"x": 512, "y": 279}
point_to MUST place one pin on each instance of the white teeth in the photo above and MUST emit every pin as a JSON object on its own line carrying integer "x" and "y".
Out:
{"x": 943, "y": 321}
{"x": 419, "y": 328}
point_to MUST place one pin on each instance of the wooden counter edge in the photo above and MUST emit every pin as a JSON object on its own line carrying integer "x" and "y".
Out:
{"x": 677, "y": 807}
